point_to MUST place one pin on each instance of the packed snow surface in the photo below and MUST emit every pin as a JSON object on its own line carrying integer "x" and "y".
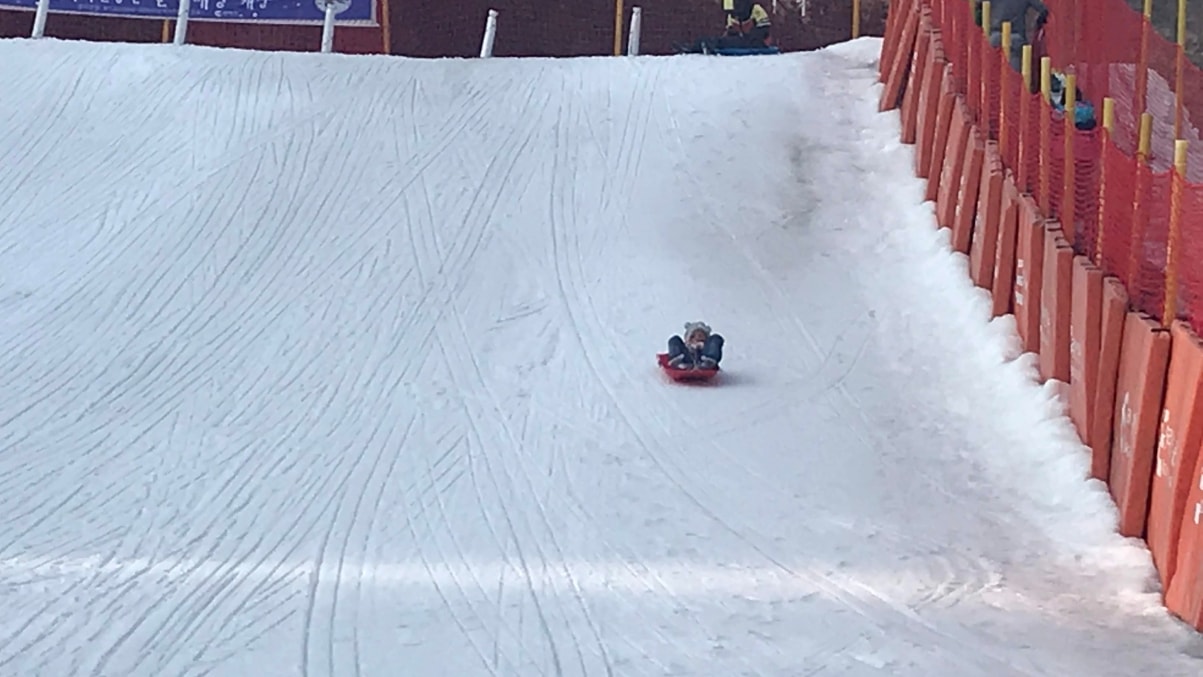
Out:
{"x": 330, "y": 365}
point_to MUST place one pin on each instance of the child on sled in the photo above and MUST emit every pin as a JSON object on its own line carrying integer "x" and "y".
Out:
{"x": 697, "y": 348}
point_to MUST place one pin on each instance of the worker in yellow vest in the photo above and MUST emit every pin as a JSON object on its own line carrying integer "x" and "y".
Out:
{"x": 748, "y": 25}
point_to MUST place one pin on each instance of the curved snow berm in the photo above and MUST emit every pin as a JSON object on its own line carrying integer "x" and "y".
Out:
{"x": 328, "y": 365}
{"x": 1129, "y": 379}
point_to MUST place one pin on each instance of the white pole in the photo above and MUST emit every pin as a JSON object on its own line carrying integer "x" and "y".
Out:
{"x": 486, "y": 45}
{"x": 328, "y": 29}
{"x": 181, "y": 23}
{"x": 39, "y": 19}
{"x": 636, "y": 26}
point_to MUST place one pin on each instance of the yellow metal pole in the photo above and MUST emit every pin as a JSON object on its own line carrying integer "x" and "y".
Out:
{"x": 618, "y": 27}
{"x": 1026, "y": 67}
{"x": 1101, "y": 222}
{"x": 386, "y": 28}
{"x": 1046, "y": 78}
{"x": 1145, "y": 142}
{"x": 1181, "y": 26}
{"x": 855, "y": 19}
{"x": 1177, "y": 179}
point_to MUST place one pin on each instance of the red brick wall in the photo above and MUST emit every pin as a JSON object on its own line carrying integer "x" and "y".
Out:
{"x": 433, "y": 28}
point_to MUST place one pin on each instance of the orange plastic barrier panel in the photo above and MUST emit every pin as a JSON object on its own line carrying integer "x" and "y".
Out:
{"x": 1178, "y": 443}
{"x": 1056, "y": 298}
{"x": 982, "y": 237}
{"x": 939, "y": 145}
{"x": 929, "y": 104}
{"x": 900, "y": 67}
{"x": 885, "y": 56}
{"x": 1085, "y": 340}
{"x": 1111, "y": 340}
{"x": 1003, "y": 283}
{"x": 895, "y": 19}
{"x": 919, "y": 65}
{"x": 1029, "y": 271}
{"x": 1184, "y": 596}
{"x": 954, "y": 161}
{"x": 1138, "y": 391}
{"x": 967, "y": 207}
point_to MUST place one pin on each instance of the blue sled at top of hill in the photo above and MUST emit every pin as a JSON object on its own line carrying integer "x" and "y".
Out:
{"x": 704, "y": 47}
{"x": 746, "y": 51}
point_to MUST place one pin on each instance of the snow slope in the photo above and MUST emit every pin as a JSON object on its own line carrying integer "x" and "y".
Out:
{"x": 329, "y": 365}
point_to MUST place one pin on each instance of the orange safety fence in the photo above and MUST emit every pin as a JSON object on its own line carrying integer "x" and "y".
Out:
{"x": 1087, "y": 226}
{"x": 1112, "y": 202}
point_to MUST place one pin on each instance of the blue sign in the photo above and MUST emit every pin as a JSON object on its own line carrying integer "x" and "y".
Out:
{"x": 247, "y": 11}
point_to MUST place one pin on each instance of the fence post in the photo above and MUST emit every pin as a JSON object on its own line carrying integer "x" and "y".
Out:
{"x": 855, "y": 19}
{"x": 965, "y": 65}
{"x": 1139, "y": 219}
{"x": 39, "y": 19}
{"x": 1025, "y": 121}
{"x": 1180, "y": 70}
{"x": 1172, "y": 250}
{"x": 486, "y": 45}
{"x": 1068, "y": 192}
{"x": 328, "y": 28}
{"x": 386, "y": 29}
{"x": 983, "y": 93}
{"x": 1101, "y": 219}
{"x": 1142, "y": 61}
{"x": 181, "y": 23}
{"x": 636, "y": 27}
{"x": 1003, "y": 137}
{"x": 1046, "y": 93}
{"x": 618, "y": 27}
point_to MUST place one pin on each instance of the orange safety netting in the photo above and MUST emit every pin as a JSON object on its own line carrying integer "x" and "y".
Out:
{"x": 1129, "y": 212}
{"x": 1189, "y": 252}
{"x": 1116, "y": 211}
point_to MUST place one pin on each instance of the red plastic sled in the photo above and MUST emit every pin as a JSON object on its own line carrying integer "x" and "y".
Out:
{"x": 688, "y": 375}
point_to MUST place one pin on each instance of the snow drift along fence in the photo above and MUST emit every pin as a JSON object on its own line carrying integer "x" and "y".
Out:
{"x": 1087, "y": 233}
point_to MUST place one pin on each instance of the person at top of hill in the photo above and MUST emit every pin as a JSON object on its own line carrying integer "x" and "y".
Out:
{"x": 700, "y": 348}
{"x": 1015, "y": 12}
{"x": 748, "y": 25}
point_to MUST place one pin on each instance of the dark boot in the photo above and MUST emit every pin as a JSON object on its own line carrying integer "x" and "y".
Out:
{"x": 678, "y": 355}
{"x": 712, "y": 352}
